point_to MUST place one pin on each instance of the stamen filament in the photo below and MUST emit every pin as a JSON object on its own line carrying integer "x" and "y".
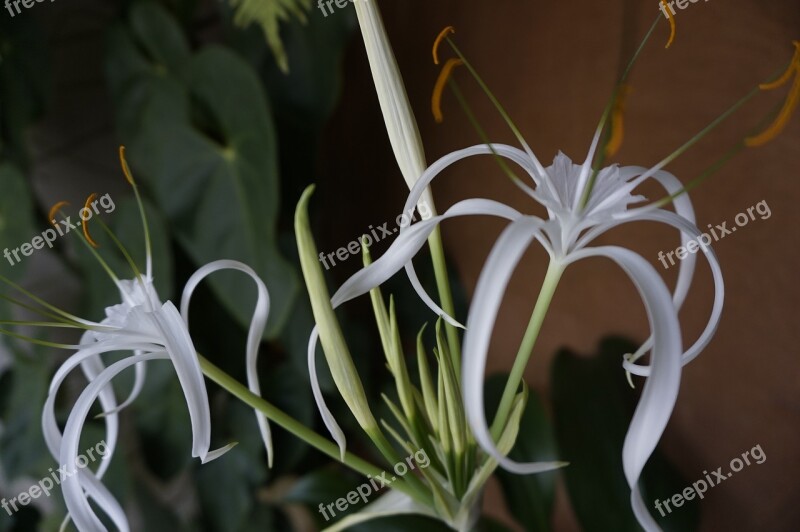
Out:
{"x": 85, "y": 224}
{"x": 794, "y": 66}
{"x": 51, "y": 217}
{"x": 148, "y": 247}
{"x": 783, "y": 117}
{"x": 617, "y": 122}
{"x": 438, "y": 89}
{"x": 449, "y": 30}
{"x": 672, "y": 26}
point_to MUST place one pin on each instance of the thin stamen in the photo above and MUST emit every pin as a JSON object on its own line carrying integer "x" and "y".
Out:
{"x": 51, "y": 217}
{"x": 672, "y": 25}
{"x": 617, "y": 122}
{"x": 449, "y": 30}
{"x": 148, "y": 247}
{"x": 438, "y": 89}
{"x": 789, "y": 106}
{"x": 85, "y": 224}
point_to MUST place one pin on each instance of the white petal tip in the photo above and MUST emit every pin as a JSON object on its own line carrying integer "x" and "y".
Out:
{"x": 213, "y": 455}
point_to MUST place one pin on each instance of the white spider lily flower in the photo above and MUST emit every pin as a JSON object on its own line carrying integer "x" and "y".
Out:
{"x": 151, "y": 330}
{"x": 566, "y": 235}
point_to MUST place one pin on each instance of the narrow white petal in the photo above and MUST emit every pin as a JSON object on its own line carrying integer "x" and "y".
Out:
{"x": 138, "y": 383}
{"x": 489, "y": 292}
{"x": 327, "y": 417}
{"x": 392, "y": 504}
{"x": 704, "y": 339}
{"x": 257, "y": 324}
{"x": 73, "y": 485}
{"x": 683, "y": 208}
{"x": 661, "y": 389}
{"x": 180, "y": 347}
{"x": 407, "y": 245}
{"x": 503, "y": 150}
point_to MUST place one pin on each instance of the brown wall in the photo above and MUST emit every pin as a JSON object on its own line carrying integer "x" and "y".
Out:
{"x": 553, "y": 64}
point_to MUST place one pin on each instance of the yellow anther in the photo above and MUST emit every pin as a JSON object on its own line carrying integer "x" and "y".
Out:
{"x": 87, "y": 207}
{"x": 783, "y": 118}
{"x": 672, "y": 27}
{"x": 794, "y": 66}
{"x": 51, "y": 217}
{"x": 617, "y": 122}
{"x": 125, "y": 169}
{"x": 789, "y": 106}
{"x": 449, "y": 30}
{"x": 438, "y": 89}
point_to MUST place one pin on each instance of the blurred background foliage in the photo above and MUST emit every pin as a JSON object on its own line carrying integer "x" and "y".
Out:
{"x": 222, "y": 107}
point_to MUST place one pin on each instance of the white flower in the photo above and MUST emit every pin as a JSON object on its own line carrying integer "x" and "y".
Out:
{"x": 150, "y": 330}
{"x": 566, "y": 235}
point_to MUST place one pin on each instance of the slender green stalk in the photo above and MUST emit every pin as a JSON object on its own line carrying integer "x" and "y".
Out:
{"x": 554, "y": 271}
{"x": 320, "y": 443}
{"x": 445, "y": 296}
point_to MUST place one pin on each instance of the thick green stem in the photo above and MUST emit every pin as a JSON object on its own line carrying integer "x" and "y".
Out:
{"x": 549, "y": 285}
{"x": 445, "y": 296}
{"x": 320, "y": 443}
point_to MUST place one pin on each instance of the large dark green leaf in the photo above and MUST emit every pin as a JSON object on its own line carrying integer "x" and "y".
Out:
{"x": 593, "y": 406}
{"x": 200, "y": 132}
{"x": 529, "y": 497}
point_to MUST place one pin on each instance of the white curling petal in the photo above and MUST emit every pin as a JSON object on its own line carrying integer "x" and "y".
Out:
{"x": 407, "y": 245}
{"x": 661, "y": 389}
{"x": 76, "y": 487}
{"x": 327, "y": 417}
{"x": 391, "y": 504}
{"x": 180, "y": 348}
{"x": 257, "y": 325}
{"x": 139, "y": 379}
{"x": 503, "y": 150}
{"x": 489, "y": 292}
{"x": 705, "y": 337}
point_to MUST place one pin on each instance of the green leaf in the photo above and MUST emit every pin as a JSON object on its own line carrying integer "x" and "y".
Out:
{"x": 530, "y": 498}
{"x": 16, "y": 222}
{"x": 268, "y": 14}
{"x": 200, "y": 132}
{"x": 593, "y": 406}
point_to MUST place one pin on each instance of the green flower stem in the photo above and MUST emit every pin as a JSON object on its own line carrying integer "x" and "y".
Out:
{"x": 554, "y": 272}
{"x": 320, "y": 443}
{"x": 445, "y": 296}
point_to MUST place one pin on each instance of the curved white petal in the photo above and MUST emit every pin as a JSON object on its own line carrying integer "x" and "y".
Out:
{"x": 138, "y": 384}
{"x": 408, "y": 244}
{"x": 683, "y": 208}
{"x": 491, "y": 287}
{"x": 703, "y": 340}
{"x": 257, "y": 324}
{"x": 76, "y": 487}
{"x": 180, "y": 348}
{"x": 661, "y": 389}
{"x": 327, "y": 417}
{"x": 433, "y": 171}
{"x": 391, "y": 504}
